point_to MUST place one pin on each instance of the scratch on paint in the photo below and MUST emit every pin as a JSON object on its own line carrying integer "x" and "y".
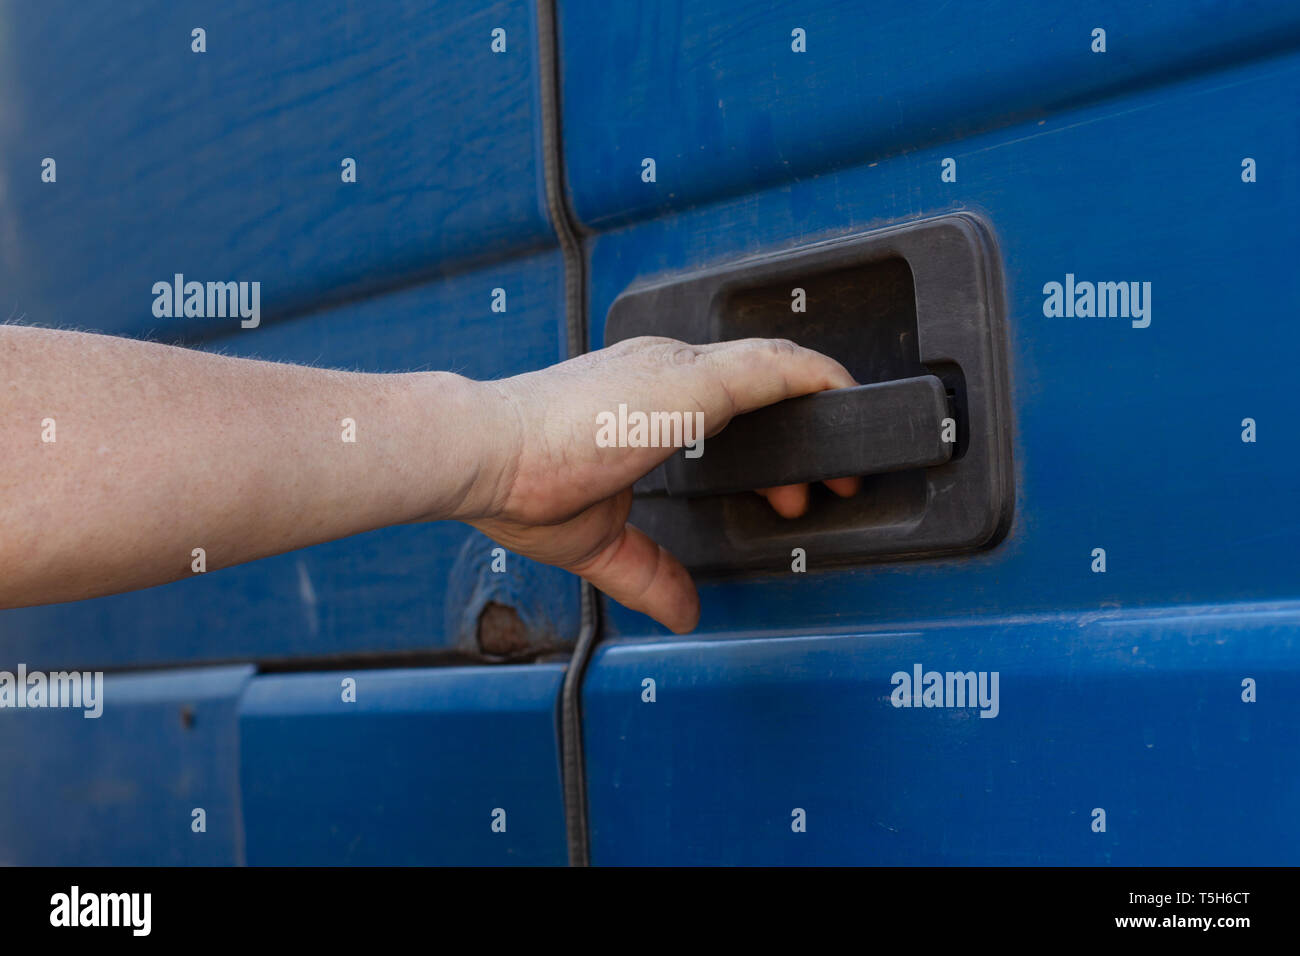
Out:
{"x": 307, "y": 594}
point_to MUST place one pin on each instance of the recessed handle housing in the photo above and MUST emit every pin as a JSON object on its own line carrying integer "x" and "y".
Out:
{"x": 916, "y": 311}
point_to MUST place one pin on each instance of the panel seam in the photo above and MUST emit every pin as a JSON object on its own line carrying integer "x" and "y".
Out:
{"x": 572, "y": 769}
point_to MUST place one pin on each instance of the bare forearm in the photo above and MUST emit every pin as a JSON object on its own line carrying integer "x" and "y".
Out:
{"x": 158, "y": 451}
{"x": 120, "y": 460}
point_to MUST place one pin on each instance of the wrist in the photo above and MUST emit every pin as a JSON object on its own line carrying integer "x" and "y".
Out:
{"x": 470, "y": 430}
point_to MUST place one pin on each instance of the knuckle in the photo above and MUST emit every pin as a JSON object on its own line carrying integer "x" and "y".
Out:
{"x": 645, "y": 341}
{"x": 635, "y": 344}
{"x": 782, "y": 347}
{"x": 679, "y": 353}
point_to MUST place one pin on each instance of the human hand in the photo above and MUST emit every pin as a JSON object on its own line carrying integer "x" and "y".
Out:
{"x": 552, "y": 493}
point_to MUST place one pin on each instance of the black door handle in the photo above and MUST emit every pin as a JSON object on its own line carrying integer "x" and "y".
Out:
{"x": 867, "y": 430}
{"x": 908, "y": 306}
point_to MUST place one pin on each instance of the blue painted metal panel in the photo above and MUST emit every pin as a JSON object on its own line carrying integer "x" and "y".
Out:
{"x": 121, "y": 789}
{"x": 1119, "y": 690}
{"x": 1141, "y": 716}
{"x": 714, "y": 93}
{"x": 1125, "y": 439}
{"x": 411, "y": 773}
{"x": 391, "y": 590}
{"x": 226, "y": 165}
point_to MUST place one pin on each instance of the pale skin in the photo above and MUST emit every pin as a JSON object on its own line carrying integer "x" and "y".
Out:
{"x": 160, "y": 450}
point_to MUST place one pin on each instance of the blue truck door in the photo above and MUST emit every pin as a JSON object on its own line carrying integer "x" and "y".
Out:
{"x": 378, "y": 170}
{"x": 1139, "y": 616}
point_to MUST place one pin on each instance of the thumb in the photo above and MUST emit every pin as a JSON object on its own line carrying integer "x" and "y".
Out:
{"x": 640, "y": 574}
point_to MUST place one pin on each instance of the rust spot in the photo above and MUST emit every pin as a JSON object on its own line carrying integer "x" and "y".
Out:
{"x": 187, "y": 717}
{"x": 500, "y": 631}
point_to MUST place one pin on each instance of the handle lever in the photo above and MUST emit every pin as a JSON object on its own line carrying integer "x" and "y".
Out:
{"x": 867, "y": 430}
